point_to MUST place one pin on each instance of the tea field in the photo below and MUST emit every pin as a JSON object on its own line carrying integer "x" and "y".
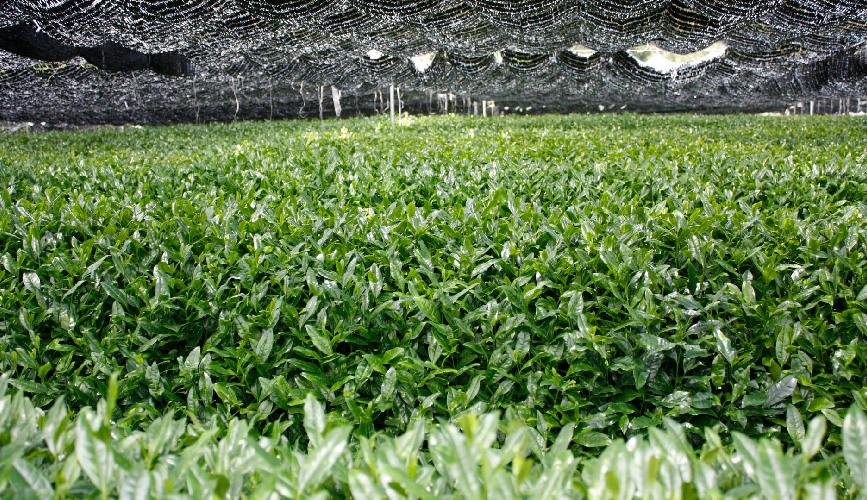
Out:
{"x": 608, "y": 306}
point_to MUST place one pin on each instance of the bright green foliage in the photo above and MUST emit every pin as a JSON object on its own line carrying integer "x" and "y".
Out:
{"x": 590, "y": 275}
{"x": 51, "y": 455}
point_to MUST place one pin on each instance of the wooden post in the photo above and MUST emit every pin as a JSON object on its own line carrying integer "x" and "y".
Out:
{"x": 812, "y": 105}
{"x": 484, "y": 109}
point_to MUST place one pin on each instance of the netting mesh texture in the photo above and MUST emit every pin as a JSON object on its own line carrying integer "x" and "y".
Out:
{"x": 98, "y": 61}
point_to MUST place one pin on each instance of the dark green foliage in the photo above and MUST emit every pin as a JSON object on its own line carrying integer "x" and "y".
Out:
{"x": 604, "y": 272}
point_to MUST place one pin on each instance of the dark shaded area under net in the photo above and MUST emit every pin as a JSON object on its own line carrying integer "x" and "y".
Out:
{"x": 163, "y": 61}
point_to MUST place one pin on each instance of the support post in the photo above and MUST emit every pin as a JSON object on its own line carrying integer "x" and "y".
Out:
{"x": 237, "y": 102}
{"x": 335, "y": 96}
{"x": 320, "y": 102}
{"x": 391, "y": 101}
{"x": 196, "y": 99}
{"x": 484, "y": 109}
{"x": 399, "y": 104}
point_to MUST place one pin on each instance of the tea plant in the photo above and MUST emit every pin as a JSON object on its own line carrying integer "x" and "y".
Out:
{"x": 598, "y": 275}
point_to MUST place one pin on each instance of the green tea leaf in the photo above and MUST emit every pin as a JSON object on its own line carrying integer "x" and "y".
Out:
{"x": 32, "y": 282}
{"x": 812, "y": 442}
{"x": 35, "y": 481}
{"x": 9, "y": 264}
{"x": 361, "y": 485}
{"x": 117, "y": 294}
{"x": 724, "y": 346}
{"x": 855, "y": 446}
{"x": 94, "y": 453}
{"x": 323, "y": 457}
{"x": 264, "y": 346}
{"x": 592, "y": 439}
{"x": 775, "y": 473}
{"x": 748, "y": 451}
{"x": 781, "y": 345}
{"x": 749, "y": 294}
{"x": 821, "y": 490}
{"x": 781, "y": 390}
{"x": 314, "y": 419}
{"x": 319, "y": 341}
{"x": 795, "y": 425}
{"x": 386, "y": 391}
{"x": 428, "y": 308}
{"x": 161, "y": 283}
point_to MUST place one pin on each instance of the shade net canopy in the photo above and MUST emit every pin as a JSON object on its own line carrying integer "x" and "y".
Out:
{"x": 158, "y": 61}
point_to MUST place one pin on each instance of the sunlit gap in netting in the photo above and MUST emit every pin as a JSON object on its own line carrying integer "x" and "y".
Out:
{"x": 648, "y": 55}
{"x": 661, "y": 60}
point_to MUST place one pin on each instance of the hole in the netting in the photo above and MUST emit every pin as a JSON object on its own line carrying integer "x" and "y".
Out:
{"x": 651, "y": 56}
{"x": 422, "y": 61}
{"x": 374, "y": 54}
{"x": 581, "y": 51}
